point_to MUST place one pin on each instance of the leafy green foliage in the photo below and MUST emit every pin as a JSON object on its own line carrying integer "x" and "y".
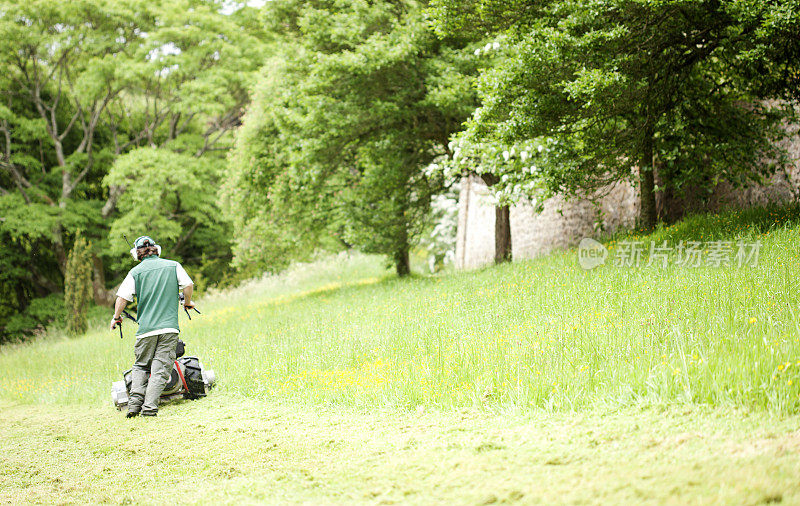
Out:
{"x": 344, "y": 124}
{"x": 255, "y": 194}
{"x": 772, "y": 59}
{"x": 439, "y": 240}
{"x": 24, "y": 264}
{"x": 168, "y": 195}
{"x": 42, "y": 312}
{"x": 84, "y": 86}
{"x": 603, "y": 87}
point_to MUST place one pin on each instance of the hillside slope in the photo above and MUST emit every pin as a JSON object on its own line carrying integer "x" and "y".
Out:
{"x": 542, "y": 333}
{"x": 536, "y": 381}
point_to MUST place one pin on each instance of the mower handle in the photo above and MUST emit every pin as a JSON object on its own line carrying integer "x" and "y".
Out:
{"x": 124, "y": 315}
{"x": 182, "y": 299}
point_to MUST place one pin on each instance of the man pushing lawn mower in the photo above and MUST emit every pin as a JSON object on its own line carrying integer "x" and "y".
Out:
{"x": 155, "y": 282}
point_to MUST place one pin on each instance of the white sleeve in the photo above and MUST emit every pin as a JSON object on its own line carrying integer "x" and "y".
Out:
{"x": 127, "y": 289}
{"x": 183, "y": 279}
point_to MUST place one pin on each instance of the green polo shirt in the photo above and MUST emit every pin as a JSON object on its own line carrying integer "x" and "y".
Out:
{"x": 155, "y": 282}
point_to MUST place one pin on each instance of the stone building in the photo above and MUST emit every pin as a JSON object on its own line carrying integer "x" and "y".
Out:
{"x": 562, "y": 224}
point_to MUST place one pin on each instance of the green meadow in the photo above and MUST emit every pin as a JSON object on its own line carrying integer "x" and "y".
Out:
{"x": 680, "y": 352}
{"x": 535, "y": 334}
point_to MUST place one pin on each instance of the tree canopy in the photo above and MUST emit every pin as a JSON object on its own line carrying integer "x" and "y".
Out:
{"x": 360, "y": 99}
{"x": 245, "y": 138}
{"x": 84, "y": 87}
{"x": 592, "y": 90}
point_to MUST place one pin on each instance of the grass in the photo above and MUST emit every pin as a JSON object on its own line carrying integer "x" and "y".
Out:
{"x": 542, "y": 333}
{"x": 340, "y": 383}
{"x": 230, "y": 450}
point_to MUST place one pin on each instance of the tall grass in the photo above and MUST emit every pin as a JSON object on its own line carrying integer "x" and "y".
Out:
{"x": 541, "y": 333}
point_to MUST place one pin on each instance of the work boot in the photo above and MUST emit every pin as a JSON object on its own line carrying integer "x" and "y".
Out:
{"x": 131, "y": 414}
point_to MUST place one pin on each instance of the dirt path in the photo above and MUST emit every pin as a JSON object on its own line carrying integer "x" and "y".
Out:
{"x": 224, "y": 449}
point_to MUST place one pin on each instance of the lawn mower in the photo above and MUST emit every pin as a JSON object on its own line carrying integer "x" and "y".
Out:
{"x": 188, "y": 379}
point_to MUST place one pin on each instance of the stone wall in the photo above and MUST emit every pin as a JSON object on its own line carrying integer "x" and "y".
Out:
{"x": 560, "y": 224}
{"x": 781, "y": 187}
{"x": 563, "y": 224}
{"x": 475, "y": 236}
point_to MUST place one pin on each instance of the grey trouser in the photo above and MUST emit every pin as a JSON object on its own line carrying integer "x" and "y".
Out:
{"x": 154, "y": 355}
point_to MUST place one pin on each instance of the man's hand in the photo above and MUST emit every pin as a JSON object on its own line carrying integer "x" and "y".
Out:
{"x": 187, "y": 297}
{"x": 119, "y": 306}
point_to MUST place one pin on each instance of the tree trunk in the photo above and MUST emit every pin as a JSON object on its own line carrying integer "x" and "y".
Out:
{"x": 502, "y": 234}
{"x": 60, "y": 250}
{"x": 647, "y": 214}
{"x": 114, "y": 192}
{"x": 502, "y": 226}
{"x": 41, "y": 286}
{"x": 647, "y": 193}
{"x": 401, "y": 262}
{"x": 102, "y": 295}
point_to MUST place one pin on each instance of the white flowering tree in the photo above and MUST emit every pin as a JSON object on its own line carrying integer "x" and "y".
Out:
{"x": 616, "y": 90}
{"x": 439, "y": 241}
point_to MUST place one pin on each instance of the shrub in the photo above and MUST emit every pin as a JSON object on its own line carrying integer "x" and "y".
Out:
{"x": 78, "y": 285}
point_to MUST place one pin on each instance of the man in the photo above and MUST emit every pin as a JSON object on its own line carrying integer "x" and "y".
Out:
{"x": 155, "y": 282}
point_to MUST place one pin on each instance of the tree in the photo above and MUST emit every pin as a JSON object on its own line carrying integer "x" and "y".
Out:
{"x": 78, "y": 285}
{"x": 86, "y": 83}
{"x": 271, "y": 226}
{"x": 771, "y": 57}
{"x": 65, "y": 61}
{"x": 18, "y": 287}
{"x": 198, "y": 71}
{"x": 598, "y": 88}
{"x": 171, "y": 197}
{"x": 471, "y": 159}
{"x": 374, "y": 98}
